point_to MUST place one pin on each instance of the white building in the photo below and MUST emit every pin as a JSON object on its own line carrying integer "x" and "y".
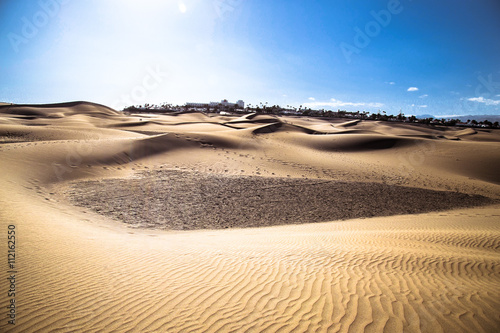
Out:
{"x": 239, "y": 104}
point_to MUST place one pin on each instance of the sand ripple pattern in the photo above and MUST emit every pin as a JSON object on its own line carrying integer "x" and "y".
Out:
{"x": 356, "y": 276}
{"x": 80, "y": 271}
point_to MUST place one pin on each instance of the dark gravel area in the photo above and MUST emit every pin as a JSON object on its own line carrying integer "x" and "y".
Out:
{"x": 184, "y": 200}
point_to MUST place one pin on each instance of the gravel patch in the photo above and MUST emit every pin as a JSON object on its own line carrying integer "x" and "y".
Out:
{"x": 186, "y": 200}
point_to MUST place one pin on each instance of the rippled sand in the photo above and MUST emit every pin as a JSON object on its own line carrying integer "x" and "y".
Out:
{"x": 84, "y": 271}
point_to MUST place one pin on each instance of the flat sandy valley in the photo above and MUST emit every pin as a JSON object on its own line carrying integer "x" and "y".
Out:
{"x": 206, "y": 223}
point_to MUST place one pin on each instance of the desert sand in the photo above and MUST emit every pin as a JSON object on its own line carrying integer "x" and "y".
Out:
{"x": 205, "y": 223}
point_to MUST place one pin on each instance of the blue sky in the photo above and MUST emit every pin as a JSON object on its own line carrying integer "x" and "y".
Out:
{"x": 421, "y": 57}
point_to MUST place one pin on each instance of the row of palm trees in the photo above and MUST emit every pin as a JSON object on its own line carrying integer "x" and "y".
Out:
{"x": 264, "y": 108}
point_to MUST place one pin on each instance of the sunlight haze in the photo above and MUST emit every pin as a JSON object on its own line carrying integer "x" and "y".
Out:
{"x": 419, "y": 57}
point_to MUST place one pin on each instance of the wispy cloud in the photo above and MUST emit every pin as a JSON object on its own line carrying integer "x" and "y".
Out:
{"x": 412, "y": 89}
{"x": 483, "y": 100}
{"x": 311, "y": 98}
{"x": 423, "y": 96}
{"x": 334, "y": 103}
{"x": 391, "y": 83}
{"x": 419, "y": 106}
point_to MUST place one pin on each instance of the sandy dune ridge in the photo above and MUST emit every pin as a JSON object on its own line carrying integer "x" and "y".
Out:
{"x": 82, "y": 271}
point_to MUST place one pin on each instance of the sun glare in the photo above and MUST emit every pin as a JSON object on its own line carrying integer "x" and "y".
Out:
{"x": 182, "y": 7}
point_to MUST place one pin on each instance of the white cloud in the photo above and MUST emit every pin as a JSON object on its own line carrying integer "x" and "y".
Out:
{"x": 311, "y": 98}
{"x": 483, "y": 100}
{"x": 391, "y": 83}
{"x": 422, "y": 106}
{"x": 424, "y": 96}
{"x": 412, "y": 89}
{"x": 334, "y": 103}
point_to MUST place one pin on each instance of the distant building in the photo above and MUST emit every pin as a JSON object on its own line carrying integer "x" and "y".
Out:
{"x": 224, "y": 103}
{"x": 197, "y": 105}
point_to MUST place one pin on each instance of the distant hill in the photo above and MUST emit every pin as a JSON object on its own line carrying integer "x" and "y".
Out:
{"x": 424, "y": 116}
{"x": 490, "y": 117}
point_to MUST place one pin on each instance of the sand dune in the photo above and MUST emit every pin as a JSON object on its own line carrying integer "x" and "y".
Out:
{"x": 64, "y": 109}
{"x": 429, "y": 262}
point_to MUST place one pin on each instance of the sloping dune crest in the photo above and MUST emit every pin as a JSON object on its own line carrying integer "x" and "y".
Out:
{"x": 85, "y": 268}
{"x": 66, "y": 109}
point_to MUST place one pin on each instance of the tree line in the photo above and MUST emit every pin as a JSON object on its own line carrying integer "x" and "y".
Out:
{"x": 264, "y": 108}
